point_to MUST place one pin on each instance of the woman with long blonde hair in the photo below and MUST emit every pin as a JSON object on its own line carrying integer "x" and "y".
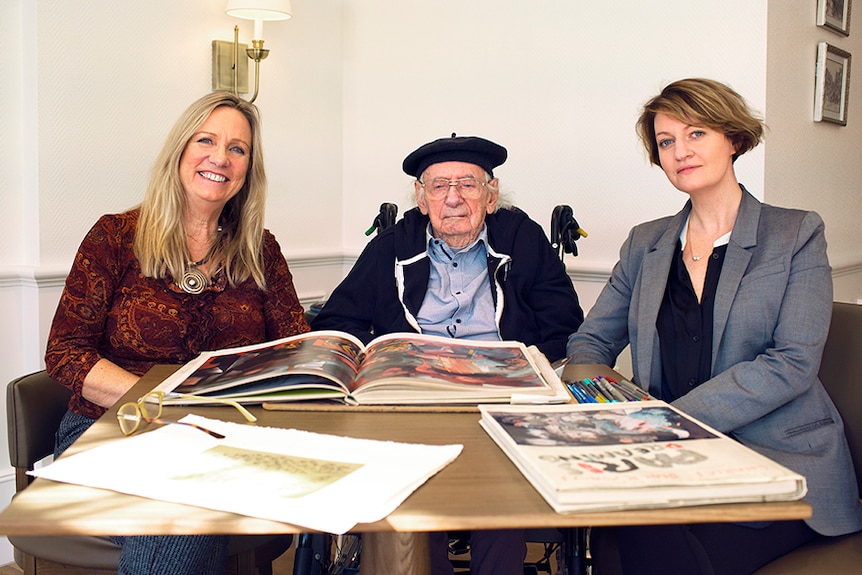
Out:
{"x": 190, "y": 269}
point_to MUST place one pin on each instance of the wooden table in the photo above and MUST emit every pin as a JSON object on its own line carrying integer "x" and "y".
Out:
{"x": 481, "y": 489}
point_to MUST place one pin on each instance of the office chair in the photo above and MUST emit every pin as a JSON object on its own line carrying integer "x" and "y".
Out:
{"x": 35, "y": 405}
{"x": 841, "y": 374}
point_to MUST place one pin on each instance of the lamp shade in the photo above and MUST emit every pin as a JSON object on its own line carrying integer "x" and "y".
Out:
{"x": 259, "y": 9}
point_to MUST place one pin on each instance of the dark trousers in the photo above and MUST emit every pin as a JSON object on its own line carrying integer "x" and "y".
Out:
{"x": 697, "y": 549}
{"x": 493, "y": 552}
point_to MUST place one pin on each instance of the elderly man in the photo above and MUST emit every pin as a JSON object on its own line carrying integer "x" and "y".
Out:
{"x": 460, "y": 265}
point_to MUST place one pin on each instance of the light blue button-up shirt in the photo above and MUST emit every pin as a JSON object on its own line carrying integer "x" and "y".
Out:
{"x": 458, "y": 302}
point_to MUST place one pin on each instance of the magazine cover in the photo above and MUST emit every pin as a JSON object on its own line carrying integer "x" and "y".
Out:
{"x": 632, "y": 454}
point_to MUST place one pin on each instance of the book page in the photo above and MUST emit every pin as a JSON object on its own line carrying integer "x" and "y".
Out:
{"x": 418, "y": 362}
{"x": 318, "y": 359}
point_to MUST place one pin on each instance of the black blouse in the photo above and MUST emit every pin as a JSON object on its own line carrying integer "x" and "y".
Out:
{"x": 685, "y": 326}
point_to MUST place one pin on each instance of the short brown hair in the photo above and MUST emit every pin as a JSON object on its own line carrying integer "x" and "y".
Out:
{"x": 702, "y": 102}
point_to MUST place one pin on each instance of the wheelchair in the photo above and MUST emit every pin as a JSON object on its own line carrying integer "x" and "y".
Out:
{"x": 326, "y": 554}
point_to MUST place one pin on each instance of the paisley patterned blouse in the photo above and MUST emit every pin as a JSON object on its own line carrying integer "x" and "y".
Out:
{"x": 110, "y": 310}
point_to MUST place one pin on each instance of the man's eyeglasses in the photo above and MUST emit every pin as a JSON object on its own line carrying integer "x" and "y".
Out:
{"x": 148, "y": 409}
{"x": 469, "y": 188}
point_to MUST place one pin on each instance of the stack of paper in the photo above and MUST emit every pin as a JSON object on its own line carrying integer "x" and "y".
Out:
{"x": 321, "y": 482}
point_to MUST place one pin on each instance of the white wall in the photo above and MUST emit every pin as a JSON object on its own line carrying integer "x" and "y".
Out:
{"x": 91, "y": 87}
{"x": 105, "y": 108}
{"x": 558, "y": 82}
{"x": 815, "y": 165}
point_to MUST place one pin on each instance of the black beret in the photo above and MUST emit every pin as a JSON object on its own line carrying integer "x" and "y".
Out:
{"x": 470, "y": 149}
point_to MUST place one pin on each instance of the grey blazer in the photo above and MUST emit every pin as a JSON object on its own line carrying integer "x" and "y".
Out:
{"x": 772, "y": 311}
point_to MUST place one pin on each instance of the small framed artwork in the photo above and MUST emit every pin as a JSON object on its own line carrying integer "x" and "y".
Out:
{"x": 832, "y": 84}
{"x": 834, "y": 15}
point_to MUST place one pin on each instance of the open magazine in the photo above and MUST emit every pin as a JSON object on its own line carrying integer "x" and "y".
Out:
{"x": 629, "y": 455}
{"x": 402, "y": 368}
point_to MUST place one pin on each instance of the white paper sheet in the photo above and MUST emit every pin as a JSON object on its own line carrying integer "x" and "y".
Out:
{"x": 322, "y": 482}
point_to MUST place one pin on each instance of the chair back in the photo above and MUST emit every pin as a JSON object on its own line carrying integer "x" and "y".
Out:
{"x": 35, "y": 404}
{"x": 841, "y": 374}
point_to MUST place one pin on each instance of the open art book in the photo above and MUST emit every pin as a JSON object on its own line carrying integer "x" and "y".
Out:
{"x": 393, "y": 369}
{"x": 321, "y": 482}
{"x": 643, "y": 454}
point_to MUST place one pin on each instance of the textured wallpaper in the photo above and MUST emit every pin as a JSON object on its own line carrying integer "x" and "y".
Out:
{"x": 113, "y": 76}
{"x": 352, "y": 86}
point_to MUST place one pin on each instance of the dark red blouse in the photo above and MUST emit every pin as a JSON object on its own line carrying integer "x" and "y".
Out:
{"x": 110, "y": 310}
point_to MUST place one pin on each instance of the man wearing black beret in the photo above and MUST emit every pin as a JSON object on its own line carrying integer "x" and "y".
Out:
{"x": 460, "y": 265}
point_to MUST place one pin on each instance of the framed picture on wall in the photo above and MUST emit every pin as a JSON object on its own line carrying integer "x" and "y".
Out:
{"x": 832, "y": 84}
{"x": 834, "y": 15}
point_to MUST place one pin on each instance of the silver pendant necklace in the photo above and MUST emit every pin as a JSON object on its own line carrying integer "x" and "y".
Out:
{"x": 194, "y": 281}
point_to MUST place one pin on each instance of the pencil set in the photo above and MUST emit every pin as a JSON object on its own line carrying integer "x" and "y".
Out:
{"x": 601, "y": 389}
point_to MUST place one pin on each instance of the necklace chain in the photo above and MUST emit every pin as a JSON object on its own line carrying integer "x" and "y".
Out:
{"x": 694, "y": 258}
{"x": 209, "y": 253}
{"x": 194, "y": 281}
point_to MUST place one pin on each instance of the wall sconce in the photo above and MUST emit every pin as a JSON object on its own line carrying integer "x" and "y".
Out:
{"x": 230, "y": 72}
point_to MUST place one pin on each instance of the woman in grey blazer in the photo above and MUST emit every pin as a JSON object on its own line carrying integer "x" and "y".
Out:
{"x": 726, "y": 306}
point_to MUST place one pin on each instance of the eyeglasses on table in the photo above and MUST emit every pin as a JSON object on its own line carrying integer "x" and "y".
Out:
{"x": 148, "y": 409}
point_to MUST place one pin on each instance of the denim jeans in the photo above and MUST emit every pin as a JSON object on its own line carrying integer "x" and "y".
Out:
{"x": 154, "y": 554}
